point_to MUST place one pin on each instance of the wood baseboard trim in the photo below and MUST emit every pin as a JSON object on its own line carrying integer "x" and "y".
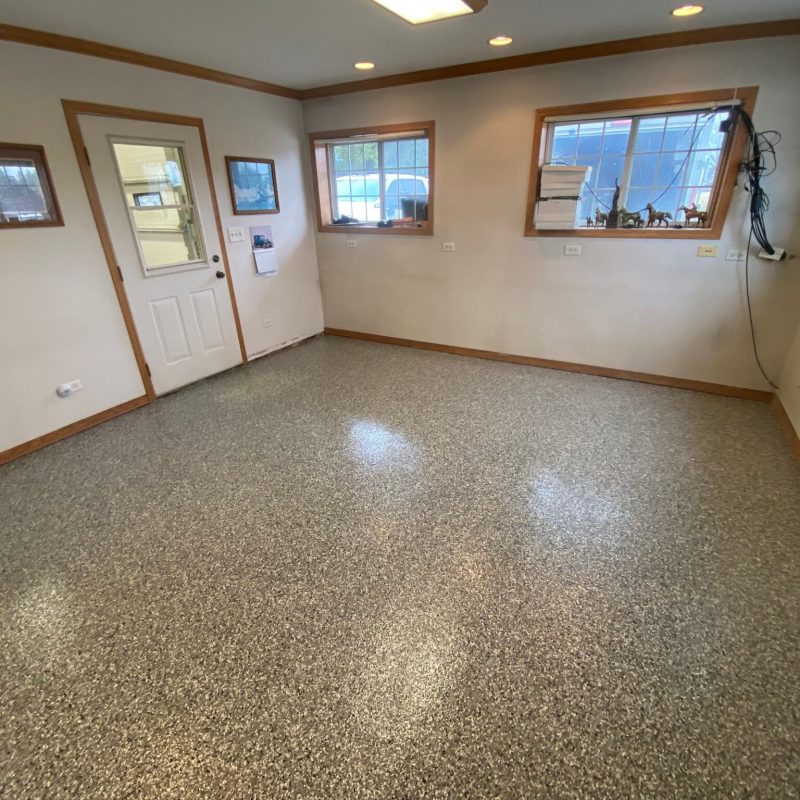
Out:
{"x": 68, "y": 430}
{"x": 566, "y": 366}
{"x": 786, "y": 425}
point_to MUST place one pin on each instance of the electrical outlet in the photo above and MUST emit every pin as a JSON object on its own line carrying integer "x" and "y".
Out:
{"x": 68, "y": 389}
{"x": 235, "y": 234}
{"x": 352, "y": 243}
{"x": 572, "y": 249}
{"x": 449, "y": 247}
{"x": 707, "y": 251}
{"x": 735, "y": 255}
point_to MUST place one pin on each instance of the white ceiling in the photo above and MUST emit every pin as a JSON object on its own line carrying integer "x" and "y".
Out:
{"x": 308, "y": 43}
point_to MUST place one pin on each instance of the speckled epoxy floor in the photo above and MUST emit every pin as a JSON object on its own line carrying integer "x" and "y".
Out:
{"x": 359, "y": 571}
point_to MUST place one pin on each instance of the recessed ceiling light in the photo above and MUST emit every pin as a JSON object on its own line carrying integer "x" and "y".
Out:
{"x": 418, "y": 11}
{"x": 364, "y": 65}
{"x": 500, "y": 41}
{"x": 687, "y": 10}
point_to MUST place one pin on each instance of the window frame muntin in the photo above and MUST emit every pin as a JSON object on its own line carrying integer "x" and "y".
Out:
{"x": 323, "y": 176}
{"x": 722, "y": 195}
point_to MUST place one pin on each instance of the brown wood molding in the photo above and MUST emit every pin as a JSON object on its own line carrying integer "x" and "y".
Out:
{"x": 321, "y": 176}
{"x": 72, "y": 109}
{"x": 639, "y": 44}
{"x": 566, "y": 366}
{"x": 69, "y": 430}
{"x": 723, "y": 186}
{"x": 72, "y": 44}
{"x": 786, "y": 425}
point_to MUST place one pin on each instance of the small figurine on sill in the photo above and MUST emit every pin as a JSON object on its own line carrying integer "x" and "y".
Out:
{"x": 691, "y": 213}
{"x": 630, "y": 219}
{"x": 589, "y": 222}
{"x": 657, "y": 217}
{"x": 600, "y": 218}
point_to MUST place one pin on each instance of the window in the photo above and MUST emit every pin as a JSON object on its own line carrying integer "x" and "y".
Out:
{"x": 27, "y": 197}
{"x": 160, "y": 204}
{"x": 672, "y": 153}
{"x": 375, "y": 180}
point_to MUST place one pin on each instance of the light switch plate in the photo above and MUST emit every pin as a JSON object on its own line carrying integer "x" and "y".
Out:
{"x": 572, "y": 249}
{"x": 235, "y": 234}
{"x": 449, "y": 247}
{"x": 352, "y": 243}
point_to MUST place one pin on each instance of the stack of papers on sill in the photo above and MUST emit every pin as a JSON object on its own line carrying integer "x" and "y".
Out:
{"x": 559, "y": 196}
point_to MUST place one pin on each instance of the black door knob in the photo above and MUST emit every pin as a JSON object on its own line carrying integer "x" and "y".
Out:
{"x": 220, "y": 273}
{"x": 215, "y": 259}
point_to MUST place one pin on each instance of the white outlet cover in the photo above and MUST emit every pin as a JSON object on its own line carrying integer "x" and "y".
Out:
{"x": 572, "y": 249}
{"x": 735, "y": 255}
{"x": 352, "y": 243}
{"x": 235, "y": 234}
{"x": 449, "y": 247}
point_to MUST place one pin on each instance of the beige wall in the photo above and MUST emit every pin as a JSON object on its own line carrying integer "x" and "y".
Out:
{"x": 59, "y": 318}
{"x": 650, "y": 306}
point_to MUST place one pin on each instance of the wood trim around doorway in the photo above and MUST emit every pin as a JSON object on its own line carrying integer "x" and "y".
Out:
{"x": 72, "y": 110}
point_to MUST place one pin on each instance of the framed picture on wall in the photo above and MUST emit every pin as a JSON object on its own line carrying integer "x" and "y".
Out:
{"x": 27, "y": 197}
{"x": 254, "y": 189}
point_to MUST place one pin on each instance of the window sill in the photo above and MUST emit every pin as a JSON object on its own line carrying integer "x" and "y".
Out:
{"x": 397, "y": 230}
{"x": 711, "y": 232}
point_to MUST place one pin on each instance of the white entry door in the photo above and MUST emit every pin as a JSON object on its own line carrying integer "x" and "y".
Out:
{"x": 156, "y": 199}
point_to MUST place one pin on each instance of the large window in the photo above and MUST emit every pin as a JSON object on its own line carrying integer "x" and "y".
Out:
{"x": 676, "y": 155}
{"x": 375, "y": 179}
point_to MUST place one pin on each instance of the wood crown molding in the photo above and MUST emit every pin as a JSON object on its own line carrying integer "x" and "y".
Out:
{"x": 639, "y": 44}
{"x": 566, "y": 366}
{"x": 72, "y": 44}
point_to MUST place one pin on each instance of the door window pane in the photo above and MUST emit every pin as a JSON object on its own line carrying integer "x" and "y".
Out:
{"x": 167, "y": 232}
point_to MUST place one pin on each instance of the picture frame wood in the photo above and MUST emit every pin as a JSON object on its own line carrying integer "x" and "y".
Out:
{"x": 253, "y": 185}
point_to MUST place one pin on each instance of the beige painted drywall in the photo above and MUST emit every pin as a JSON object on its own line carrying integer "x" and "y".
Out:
{"x": 59, "y": 318}
{"x": 789, "y": 391}
{"x": 650, "y": 306}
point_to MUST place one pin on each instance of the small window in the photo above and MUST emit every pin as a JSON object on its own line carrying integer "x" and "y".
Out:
{"x": 27, "y": 197}
{"x": 673, "y": 159}
{"x": 376, "y": 179}
{"x": 160, "y": 204}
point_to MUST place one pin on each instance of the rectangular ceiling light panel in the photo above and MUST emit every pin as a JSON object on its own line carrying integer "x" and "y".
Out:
{"x": 418, "y": 11}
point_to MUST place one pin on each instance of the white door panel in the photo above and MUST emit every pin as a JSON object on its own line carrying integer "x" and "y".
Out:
{"x": 156, "y": 199}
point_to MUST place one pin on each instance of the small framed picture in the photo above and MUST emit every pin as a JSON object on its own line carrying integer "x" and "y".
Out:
{"x": 254, "y": 189}
{"x": 27, "y": 197}
{"x": 147, "y": 199}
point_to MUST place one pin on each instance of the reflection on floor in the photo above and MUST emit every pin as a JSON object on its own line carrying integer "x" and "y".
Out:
{"x": 359, "y": 571}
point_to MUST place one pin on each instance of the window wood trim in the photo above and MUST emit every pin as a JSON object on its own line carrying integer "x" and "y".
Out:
{"x": 321, "y": 172}
{"x": 723, "y": 189}
{"x": 39, "y": 157}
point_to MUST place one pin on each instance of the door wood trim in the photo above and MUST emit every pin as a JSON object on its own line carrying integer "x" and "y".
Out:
{"x": 74, "y": 427}
{"x": 72, "y": 110}
{"x": 567, "y": 366}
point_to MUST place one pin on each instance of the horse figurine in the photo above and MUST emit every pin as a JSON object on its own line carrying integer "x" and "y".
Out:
{"x": 626, "y": 216}
{"x": 657, "y": 217}
{"x": 691, "y": 213}
{"x": 600, "y": 218}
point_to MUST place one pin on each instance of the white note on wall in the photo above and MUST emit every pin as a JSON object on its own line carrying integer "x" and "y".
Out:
{"x": 266, "y": 260}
